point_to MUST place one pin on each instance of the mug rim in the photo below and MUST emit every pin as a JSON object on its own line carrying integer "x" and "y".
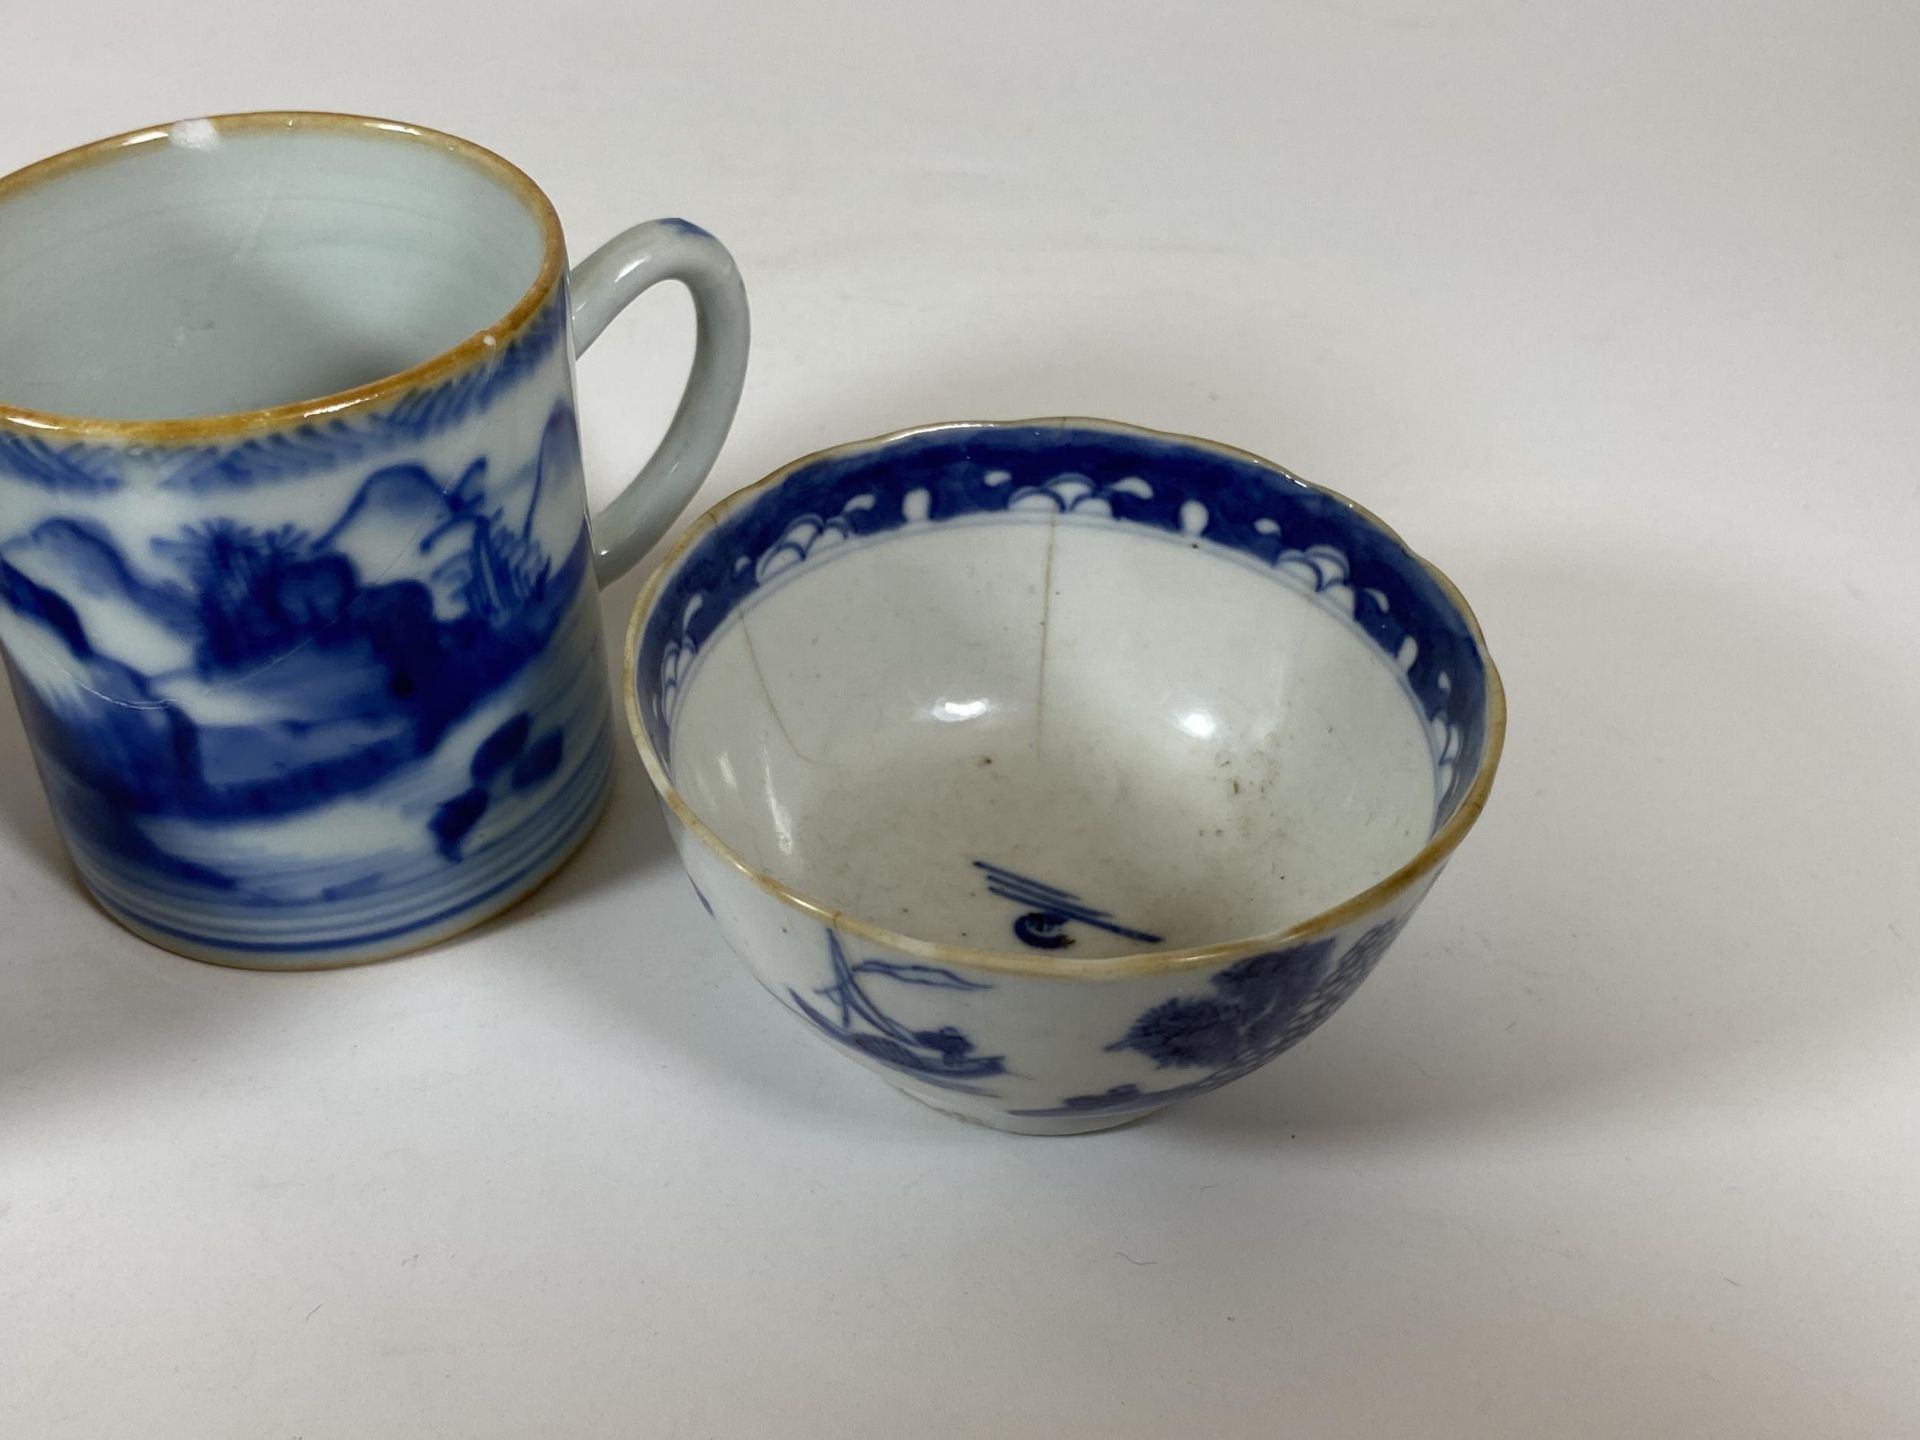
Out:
{"x": 196, "y": 429}
{"x": 1424, "y": 863}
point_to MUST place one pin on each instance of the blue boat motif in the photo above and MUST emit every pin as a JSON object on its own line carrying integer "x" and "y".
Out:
{"x": 1044, "y": 925}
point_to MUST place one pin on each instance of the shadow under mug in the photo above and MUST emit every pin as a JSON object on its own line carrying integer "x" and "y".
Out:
{"x": 312, "y": 681}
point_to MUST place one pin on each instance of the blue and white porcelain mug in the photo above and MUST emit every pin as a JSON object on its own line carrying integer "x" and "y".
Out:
{"x": 297, "y": 581}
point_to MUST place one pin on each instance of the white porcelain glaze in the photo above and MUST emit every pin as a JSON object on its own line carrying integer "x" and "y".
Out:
{"x": 1027, "y": 696}
{"x": 221, "y": 270}
{"x": 1060, "y": 771}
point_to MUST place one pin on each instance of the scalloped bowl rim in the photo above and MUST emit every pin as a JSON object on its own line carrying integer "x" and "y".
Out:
{"x": 1430, "y": 856}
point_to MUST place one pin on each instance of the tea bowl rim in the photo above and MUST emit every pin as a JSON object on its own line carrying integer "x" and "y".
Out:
{"x": 1134, "y": 964}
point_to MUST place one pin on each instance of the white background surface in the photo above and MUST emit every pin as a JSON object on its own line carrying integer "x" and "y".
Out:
{"x": 1610, "y": 308}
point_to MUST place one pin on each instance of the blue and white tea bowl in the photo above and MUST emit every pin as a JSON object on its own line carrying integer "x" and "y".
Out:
{"x": 1061, "y": 770}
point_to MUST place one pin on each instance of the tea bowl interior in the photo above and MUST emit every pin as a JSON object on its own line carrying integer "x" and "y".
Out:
{"x": 1008, "y": 689}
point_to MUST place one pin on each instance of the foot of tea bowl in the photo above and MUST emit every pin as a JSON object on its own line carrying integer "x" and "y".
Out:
{"x": 956, "y": 1108}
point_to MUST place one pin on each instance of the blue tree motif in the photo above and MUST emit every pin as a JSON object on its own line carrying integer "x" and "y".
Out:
{"x": 237, "y": 573}
{"x": 1255, "y": 999}
{"x": 1260, "y": 1006}
{"x": 943, "y": 1056}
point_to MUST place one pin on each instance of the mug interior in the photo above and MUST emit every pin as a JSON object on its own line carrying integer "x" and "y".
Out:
{"x": 240, "y": 264}
{"x": 1004, "y": 693}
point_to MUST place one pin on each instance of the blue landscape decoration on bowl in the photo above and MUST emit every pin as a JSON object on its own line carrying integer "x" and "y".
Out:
{"x": 1046, "y": 992}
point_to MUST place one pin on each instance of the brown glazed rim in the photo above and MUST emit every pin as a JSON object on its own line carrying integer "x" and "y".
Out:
{"x": 1140, "y": 963}
{"x": 201, "y": 428}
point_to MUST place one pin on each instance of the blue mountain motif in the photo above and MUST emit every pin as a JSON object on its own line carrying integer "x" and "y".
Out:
{"x": 87, "y": 553}
{"x": 342, "y": 660}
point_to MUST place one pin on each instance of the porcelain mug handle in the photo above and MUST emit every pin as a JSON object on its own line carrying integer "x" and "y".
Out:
{"x": 603, "y": 285}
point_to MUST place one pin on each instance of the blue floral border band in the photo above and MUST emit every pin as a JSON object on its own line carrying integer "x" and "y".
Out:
{"x": 1138, "y": 478}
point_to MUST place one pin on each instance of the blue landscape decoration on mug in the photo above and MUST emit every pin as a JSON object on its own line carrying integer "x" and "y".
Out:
{"x": 410, "y": 663}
